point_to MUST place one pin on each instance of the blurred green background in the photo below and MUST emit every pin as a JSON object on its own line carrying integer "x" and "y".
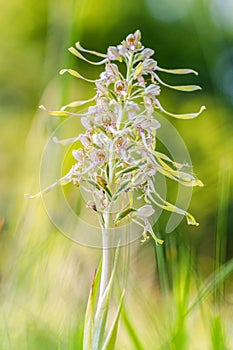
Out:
{"x": 44, "y": 278}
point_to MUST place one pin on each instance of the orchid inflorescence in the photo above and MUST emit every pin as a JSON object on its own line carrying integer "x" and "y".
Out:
{"x": 118, "y": 156}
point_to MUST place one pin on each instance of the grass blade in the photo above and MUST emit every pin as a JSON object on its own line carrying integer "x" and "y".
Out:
{"x": 211, "y": 282}
{"x": 131, "y": 332}
{"x": 161, "y": 267}
{"x": 221, "y": 232}
{"x": 217, "y": 335}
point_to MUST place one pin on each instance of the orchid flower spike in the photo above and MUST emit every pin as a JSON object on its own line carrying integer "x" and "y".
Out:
{"x": 118, "y": 156}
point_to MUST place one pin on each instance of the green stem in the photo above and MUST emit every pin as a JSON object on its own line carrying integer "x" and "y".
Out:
{"x": 120, "y": 115}
{"x": 107, "y": 255}
{"x": 129, "y": 67}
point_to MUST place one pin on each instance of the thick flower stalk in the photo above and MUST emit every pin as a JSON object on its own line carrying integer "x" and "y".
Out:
{"x": 118, "y": 160}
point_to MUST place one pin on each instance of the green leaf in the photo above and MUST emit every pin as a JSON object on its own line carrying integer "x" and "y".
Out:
{"x": 102, "y": 310}
{"x": 89, "y": 316}
{"x": 97, "y": 282}
{"x": 112, "y": 334}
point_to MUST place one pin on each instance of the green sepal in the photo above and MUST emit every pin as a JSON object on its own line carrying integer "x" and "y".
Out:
{"x": 107, "y": 171}
{"x": 127, "y": 170}
{"x": 107, "y": 190}
{"x": 94, "y": 184}
{"x": 122, "y": 188}
{"x": 123, "y": 214}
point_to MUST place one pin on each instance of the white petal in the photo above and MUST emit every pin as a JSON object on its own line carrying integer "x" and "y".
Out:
{"x": 145, "y": 211}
